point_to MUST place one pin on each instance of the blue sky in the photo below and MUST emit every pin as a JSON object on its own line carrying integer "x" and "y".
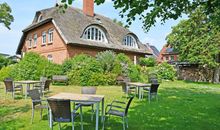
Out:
{"x": 24, "y": 11}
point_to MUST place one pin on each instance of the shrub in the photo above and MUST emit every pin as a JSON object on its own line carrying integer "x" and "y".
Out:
{"x": 106, "y": 59}
{"x": 102, "y": 79}
{"x": 149, "y": 62}
{"x": 121, "y": 65}
{"x": 5, "y": 72}
{"x": 134, "y": 73}
{"x": 166, "y": 71}
{"x": 5, "y": 61}
{"x": 82, "y": 69}
{"x": 33, "y": 66}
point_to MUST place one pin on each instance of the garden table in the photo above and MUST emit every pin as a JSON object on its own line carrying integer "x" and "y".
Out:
{"x": 82, "y": 98}
{"x": 139, "y": 85}
{"x": 28, "y": 83}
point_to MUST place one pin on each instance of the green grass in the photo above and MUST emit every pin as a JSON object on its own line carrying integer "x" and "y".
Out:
{"x": 181, "y": 106}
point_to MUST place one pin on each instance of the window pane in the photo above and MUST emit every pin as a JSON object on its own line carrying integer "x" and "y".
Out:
{"x": 92, "y": 34}
{"x": 88, "y": 33}
{"x": 96, "y": 34}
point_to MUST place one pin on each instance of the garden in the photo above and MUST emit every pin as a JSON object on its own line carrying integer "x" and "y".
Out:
{"x": 181, "y": 104}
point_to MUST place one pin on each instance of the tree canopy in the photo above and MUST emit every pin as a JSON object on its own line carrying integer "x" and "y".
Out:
{"x": 5, "y": 15}
{"x": 149, "y": 11}
{"x": 197, "y": 39}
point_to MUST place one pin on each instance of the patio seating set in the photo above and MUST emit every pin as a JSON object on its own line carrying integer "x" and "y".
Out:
{"x": 63, "y": 107}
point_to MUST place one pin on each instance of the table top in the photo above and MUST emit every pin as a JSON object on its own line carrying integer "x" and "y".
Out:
{"x": 78, "y": 97}
{"x": 138, "y": 84}
{"x": 27, "y": 81}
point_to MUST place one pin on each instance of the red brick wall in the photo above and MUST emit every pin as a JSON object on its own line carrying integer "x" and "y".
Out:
{"x": 57, "y": 48}
{"x": 76, "y": 50}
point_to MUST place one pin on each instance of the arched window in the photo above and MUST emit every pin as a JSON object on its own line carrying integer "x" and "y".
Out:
{"x": 40, "y": 17}
{"x": 94, "y": 33}
{"x": 130, "y": 41}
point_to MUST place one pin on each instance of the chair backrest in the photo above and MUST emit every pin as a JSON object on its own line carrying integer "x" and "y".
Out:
{"x": 61, "y": 110}
{"x": 128, "y": 105}
{"x": 88, "y": 90}
{"x": 154, "y": 80}
{"x": 47, "y": 85}
{"x": 154, "y": 87}
{"x": 8, "y": 84}
{"x": 35, "y": 95}
{"x": 43, "y": 79}
{"x": 124, "y": 84}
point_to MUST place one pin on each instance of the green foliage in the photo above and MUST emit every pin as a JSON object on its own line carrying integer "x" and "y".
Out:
{"x": 166, "y": 71}
{"x": 106, "y": 59}
{"x": 121, "y": 65}
{"x": 102, "y": 79}
{"x": 83, "y": 67}
{"x": 5, "y": 72}
{"x": 5, "y": 61}
{"x": 134, "y": 73}
{"x": 5, "y": 15}
{"x": 149, "y": 62}
{"x": 33, "y": 66}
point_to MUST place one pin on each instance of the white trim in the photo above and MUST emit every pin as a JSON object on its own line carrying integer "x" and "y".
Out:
{"x": 50, "y": 33}
{"x": 130, "y": 41}
{"x": 35, "y": 40}
{"x": 42, "y": 36}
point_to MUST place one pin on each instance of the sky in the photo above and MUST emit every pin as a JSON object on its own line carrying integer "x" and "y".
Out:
{"x": 24, "y": 12}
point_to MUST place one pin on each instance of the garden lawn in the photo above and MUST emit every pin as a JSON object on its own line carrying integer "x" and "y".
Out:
{"x": 181, "y": 106}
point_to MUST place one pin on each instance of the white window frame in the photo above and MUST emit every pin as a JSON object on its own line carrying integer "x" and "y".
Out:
{"x": 50, "y": 35}
{"x": 35, "y": 40}
{"x": 30, "y": 41}
{"x": 40, "y": 17}
{"x": 50, "y": 57}
{"x": 94, "y": 33}
{"x": 44, "y": 35}
{"x": 130, "y": 41}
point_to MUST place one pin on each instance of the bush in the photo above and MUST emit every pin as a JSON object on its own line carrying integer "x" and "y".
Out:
{"x": 102, "y": 79}
{"x": 82, "y": 69}
{"x": 33, "y": 66}
{"x": 166, "y": 71}
{"x": 149, "y": 62}
{"x": 106, "y": 59}
{"x": 5, "y": 72}
{"x": 5, "y": 62}
{"x": 134, "y": 73}
{"x": 121, "y": 65}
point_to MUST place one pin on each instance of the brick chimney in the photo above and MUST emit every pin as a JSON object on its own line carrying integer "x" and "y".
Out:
{"x": 88, "y": 7}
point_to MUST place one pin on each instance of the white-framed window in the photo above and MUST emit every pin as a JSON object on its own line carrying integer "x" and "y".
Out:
{"x": 130, "y": 41}
{"x": 29, "y": 41}
{"x": 50, "y": 35}
{"x": 40, "y": 17}
{"x": 44, "y": 38}
{"x": 35, "y": 40}
{"x": 94, "y": 33}
{"x": 50, "y": 57}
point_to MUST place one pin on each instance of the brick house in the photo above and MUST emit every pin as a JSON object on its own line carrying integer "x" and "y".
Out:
{"x": 59, "y": 36}
{"x": 168, "y": 54}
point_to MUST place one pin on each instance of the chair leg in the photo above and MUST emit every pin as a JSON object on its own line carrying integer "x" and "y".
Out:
{"x": 92, "y": 112}
{"x": 81, "y": 118}
{"x": 72, "y": 121}
{"x": 59, "y": 126}
{"x": 126, "y": 121}
{"x": 149, "y": 96}
{"x": 123, "y": 123}
{"x": 103, "y": 126}
{"x": 32, "y": 117}
{"x": 41, "y": 111}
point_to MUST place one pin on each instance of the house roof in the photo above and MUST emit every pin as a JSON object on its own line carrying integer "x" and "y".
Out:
{"x": 155, "y": 50}
{"x": 73, "y": 22}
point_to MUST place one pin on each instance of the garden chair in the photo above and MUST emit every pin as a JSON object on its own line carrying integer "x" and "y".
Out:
{"x": 37, "y": 102}
{"x": 126, "y": 88}
{"x": 10, "y": 87}
{"x": 88, "y": 90}
{"x": 152, "y": 91}
{"x": 61, "y": 112}
{"x": 44, "y": 86}
{"x": 120, "y": 109}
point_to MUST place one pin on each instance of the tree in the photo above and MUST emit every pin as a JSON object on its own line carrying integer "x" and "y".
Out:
{"x": 150, "y": 10}
{"x": 5, "y": 15}
{"x": 198, "y": 40}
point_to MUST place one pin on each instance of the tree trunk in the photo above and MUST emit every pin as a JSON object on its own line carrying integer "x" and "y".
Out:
{"x": 216, "y": 75}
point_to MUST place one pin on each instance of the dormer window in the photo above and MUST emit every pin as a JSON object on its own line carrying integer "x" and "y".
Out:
{"x": 40, "y": 17}
{"x": 94, "y": 33}
{"x": 130, "y": 41}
